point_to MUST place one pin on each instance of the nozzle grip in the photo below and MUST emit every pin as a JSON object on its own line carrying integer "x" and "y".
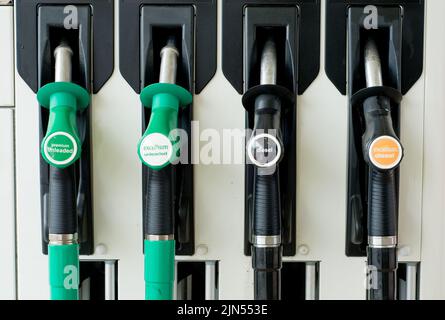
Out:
{"x": 158, "y": 209}
{"x": 267, "y": 215}
{"x": 382, "y": 204}
{"x": 62, "y": 217}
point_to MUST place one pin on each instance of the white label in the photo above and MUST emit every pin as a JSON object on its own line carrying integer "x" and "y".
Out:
{"x": 156, "y": 150}
{"x": 261, "y": 156}
{"x": 60, "y": 148}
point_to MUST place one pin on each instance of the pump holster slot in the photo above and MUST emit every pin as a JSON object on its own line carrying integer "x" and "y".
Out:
{"x": 397, "y": 22}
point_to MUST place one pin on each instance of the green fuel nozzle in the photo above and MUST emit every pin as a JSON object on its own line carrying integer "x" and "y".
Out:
{"x": 61, "y": 146}
{"x": 157, "y": 148}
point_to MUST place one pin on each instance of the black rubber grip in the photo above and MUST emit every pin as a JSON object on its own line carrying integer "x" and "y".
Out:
{"x": 267, "y": 264}
{"x": 382, "y": 268}
{"x": 382, "y": 212}
{"x": 62, "y": 217}
{"x": 158, "y": 210}
{"x": 267, "y": 218}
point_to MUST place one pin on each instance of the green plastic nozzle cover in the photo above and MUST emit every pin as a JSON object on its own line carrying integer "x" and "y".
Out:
{"x": 157, "y": 148}
{"x": 61, "y": 146}
{"x": 64, "y": 271}
{"x": 159, "y": 269}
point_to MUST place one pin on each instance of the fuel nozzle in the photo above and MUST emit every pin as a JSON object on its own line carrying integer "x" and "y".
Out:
{"x": 381, "y": 146}
{"x": 383, "y": 152}
{"x": 157, "y": 149}
{"x": 265, "y": 147}
{"x": 265, "y": 150}
{"x": 61, "y": 146}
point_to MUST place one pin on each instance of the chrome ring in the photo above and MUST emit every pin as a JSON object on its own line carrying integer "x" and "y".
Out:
{"x": 152, "y": 237}
{"x": 382, "y": 242}
{"x": 266, "y": 241}
{"x": 62, "y": 239}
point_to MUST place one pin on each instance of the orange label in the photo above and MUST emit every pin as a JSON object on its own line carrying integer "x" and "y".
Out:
{"x": 385, "y": 152}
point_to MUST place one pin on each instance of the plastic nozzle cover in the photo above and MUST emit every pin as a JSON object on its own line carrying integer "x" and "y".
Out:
{"x": 64, "y": 271}
{"x": 159, "y": 269}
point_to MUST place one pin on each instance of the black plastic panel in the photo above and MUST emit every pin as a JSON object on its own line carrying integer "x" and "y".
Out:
{"x": 195, "y": 288}
{"x": 49, "y": 33}
{"x": 293, "y": 280}
{"x": 388, "y": 37}
{"x": 412, "y": 39}
{"x": 158, "y": 23}
{"x": 205, "y": 38}
{"x": 94, "y": 272}
{"x": 103, "y": 38}
{"x": 308, "y": 37}
{"x": 282, "y": 24}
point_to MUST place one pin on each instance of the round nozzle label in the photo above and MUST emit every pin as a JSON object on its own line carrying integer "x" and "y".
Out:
{"x": 156, "y": 150}
{"x": 264, "y": 150}
{"x": 385, "y": 152}
{"x": 60, "y": 149}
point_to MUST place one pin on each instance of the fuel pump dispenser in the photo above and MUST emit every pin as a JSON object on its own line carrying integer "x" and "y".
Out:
{"x": 381, "y": 60}
{"x": 270, "y": 74}
{"x": 54, "y": 58}
{"x": 160, "y": 65}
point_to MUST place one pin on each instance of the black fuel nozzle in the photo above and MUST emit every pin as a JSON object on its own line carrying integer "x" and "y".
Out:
{"x": 383, "y": 153}
{"x": 381, "y": 147}
{"x": 265, "y": 146}
{"x": 265, "y": 150}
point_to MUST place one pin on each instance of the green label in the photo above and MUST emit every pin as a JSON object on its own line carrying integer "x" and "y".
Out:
{"x": 60, "y": 148}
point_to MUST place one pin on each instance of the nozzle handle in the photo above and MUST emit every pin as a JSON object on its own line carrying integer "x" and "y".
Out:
{"x": 61, "y": 146}
{"x": 158, "y": 209}
{"x": 157, "y": 148}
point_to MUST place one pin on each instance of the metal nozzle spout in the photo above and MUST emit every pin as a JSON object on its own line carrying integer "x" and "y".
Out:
{"x": 269, "y": 63}
{"x": 373, "y": 66}
{"x": 169, "y": 63}
{"x": 63, "y": 65}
